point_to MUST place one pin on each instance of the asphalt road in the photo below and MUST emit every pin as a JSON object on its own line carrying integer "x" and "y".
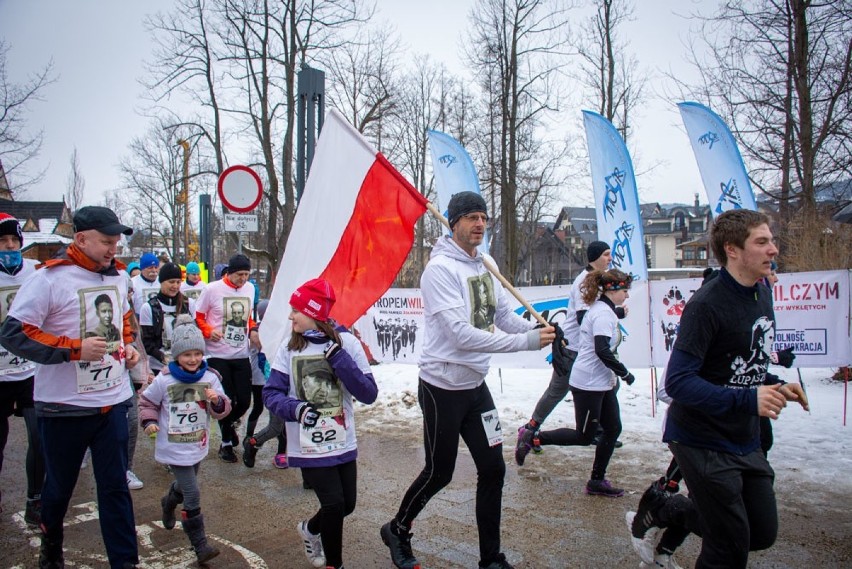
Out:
{"x": 548, "y": 522}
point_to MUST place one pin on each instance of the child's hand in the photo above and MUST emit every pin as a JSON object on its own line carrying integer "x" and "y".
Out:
{"x": 211, "y": 395}
{"x": 152, "y": 429}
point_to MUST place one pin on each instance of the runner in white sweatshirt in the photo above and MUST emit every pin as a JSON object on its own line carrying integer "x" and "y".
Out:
{"x": 468, "y": 317}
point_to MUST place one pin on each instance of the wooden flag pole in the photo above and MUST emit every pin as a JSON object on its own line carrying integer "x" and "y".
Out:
{"x": 494, "y": 271}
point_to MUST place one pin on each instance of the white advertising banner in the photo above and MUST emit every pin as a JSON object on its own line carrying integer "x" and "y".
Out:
{"x": 393, "y": 326}
{"x": 667, "y": 301}
{"x": 811, "y": 315}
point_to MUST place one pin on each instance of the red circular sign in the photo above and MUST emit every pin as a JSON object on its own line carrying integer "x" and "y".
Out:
{"x": 240, "y": 189}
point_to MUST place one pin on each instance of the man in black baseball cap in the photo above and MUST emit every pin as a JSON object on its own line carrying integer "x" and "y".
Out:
{"x": 82, "y": 390}
{"x": 101, "y": 219}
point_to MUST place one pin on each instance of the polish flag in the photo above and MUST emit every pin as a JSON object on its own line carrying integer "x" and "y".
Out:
{"x": 354, "y": 227}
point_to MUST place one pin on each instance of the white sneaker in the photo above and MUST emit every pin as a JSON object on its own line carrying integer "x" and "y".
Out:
{"x": 663, "y": 561}
{"x": 133, "y": 481}
{"x": 646, "y": 546}
{"x": 313, "y": 545}
{"x": 86, "y": 458}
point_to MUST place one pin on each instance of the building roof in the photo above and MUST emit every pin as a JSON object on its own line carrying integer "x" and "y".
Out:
{"x": 36, "y": 211}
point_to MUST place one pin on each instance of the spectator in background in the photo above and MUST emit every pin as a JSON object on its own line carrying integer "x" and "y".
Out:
{"x": 193, "y": 285}
{"x": 133, "y": 269}
{"x": 145, "y": 284}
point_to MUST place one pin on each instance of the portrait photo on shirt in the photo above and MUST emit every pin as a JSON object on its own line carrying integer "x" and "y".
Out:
{"x": 192, "y": 293}
{"x": 7, "y": 296}
{"x": 180, "y": 393}
{"x": 482, "y": 302}
{"x": 187, "y": 403}
{"x": 101, "y": 315}
{"x": 236, "y": 311}
{"x": 316, "y": 383}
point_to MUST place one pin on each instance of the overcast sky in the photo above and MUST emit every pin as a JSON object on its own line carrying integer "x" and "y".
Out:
{"x": 98, "y": 48}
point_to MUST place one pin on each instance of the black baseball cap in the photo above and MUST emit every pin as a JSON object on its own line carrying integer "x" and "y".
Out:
{"x": 100, "y": 219}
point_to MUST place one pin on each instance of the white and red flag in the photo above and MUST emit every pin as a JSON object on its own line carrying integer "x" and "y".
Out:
{"x": 354, "y": 227}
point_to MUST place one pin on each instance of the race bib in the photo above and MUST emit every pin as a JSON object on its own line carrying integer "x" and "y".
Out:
{"x": 492, "y": 428}
{"x": 326, "y": 436}
{"x": 234, "y": 336}
{"x": 10, "y": 363}
{"x": 99, "y": 375}
{"x": 187, "y": 421}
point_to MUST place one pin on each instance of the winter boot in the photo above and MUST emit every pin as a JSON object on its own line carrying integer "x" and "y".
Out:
{"x": 169, "y": 502}
{"x": 194, "y": 528}
{"x": 50, "y": 555}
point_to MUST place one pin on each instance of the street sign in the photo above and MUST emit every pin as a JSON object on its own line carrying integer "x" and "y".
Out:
{"x": 240, "y": 189}
{"x": 238, "y": 222}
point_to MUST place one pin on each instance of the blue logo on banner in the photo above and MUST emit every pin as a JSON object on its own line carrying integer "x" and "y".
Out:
{"x": 621, "y": 245}
{"x": 554, "y": 310}
{"x": 709, "y": 138}
{"x": 614, "y": 192}
{"x": 448, "y": 160}
{"x": 730, "y": 195}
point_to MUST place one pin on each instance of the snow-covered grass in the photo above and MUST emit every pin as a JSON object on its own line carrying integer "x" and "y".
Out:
{"x": 813, "y": 445}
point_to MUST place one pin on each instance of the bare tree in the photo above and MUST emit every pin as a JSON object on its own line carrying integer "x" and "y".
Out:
{"x": 781, "y": 74}
{"x": 516, "y": 48}
{"x": 610, "y": 73}
{"x": 406, "y": 144}
{"x": 76, "y": 184}
{"x": 153, "y": 174}
{"x": 184, "y": 64}
{"x": 267, "y": 43}
{"x": 361, "y": 79}
{"x": 19, "y": 145}
{"x": 238, "y": 61}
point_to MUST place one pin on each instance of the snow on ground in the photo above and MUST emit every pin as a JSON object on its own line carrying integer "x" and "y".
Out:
{"x": 813, "y": 445}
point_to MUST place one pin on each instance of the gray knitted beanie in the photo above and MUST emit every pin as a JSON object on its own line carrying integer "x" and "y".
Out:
{"x": 186, "y": 336}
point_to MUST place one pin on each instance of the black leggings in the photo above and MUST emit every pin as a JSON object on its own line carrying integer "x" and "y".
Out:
{"x": 591, "y": 408}
{"x": 336, "y": 488}
{"x": 448, "y": 415}
{"x": 16, "y": 398}
{"x": 236, "y": 381}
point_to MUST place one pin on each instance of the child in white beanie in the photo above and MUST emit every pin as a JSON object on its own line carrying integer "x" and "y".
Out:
{"x": 183, "y": 397}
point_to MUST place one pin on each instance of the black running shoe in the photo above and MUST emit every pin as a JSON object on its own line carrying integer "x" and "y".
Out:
{"x": 398, "y": 540}
{"x": 649, "y": 505}
{"x": 499, "y": 563}
{"x": 227, "y": 454}
{"x": 249, "y": 451}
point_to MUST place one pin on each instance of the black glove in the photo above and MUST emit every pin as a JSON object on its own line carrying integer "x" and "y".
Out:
{"x": 332, "y": 349}
{"x": 628, "y": 379}
{"x": 562, "y": 359}
{"x": 308, "y": 415}
{"x": 786, "y": 357}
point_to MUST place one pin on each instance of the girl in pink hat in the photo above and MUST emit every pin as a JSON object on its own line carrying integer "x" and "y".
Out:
{"x": 313, "y": 380}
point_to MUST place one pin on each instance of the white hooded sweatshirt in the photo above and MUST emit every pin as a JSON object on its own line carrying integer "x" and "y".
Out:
{"x": 468, "y": 317}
